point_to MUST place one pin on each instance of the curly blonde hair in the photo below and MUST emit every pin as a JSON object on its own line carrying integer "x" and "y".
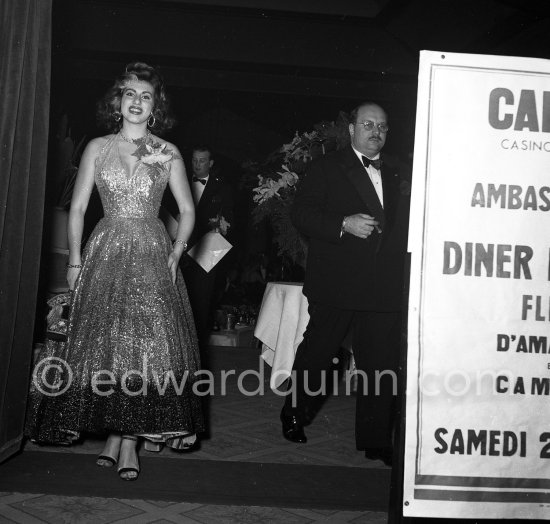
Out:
{"x": 108, "y": 108}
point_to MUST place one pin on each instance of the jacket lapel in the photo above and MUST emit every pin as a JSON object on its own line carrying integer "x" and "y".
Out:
{"x": 390, "y": 187}
{"x": 357, "y": 175}
{"x": 388, "y": 190}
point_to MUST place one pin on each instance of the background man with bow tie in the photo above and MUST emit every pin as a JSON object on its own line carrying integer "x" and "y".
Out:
{"x": 213, "y": 198}
{"x": 352, "y": 211}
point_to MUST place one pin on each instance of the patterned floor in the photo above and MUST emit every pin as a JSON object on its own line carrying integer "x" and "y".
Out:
{"x": 37, "y": 509}
{"x": 244, "y": 426}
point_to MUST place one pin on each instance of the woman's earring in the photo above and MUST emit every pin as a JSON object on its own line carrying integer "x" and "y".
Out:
{"x": 117, "y": 115}
{"x": 149, "y": 120}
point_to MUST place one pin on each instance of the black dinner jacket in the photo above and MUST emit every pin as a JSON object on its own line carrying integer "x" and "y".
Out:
{"x": 216, "y": 199}
{"x": 345, "y": 271}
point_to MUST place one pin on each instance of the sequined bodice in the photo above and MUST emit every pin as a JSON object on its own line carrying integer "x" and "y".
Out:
{"x": 129, "y": 195}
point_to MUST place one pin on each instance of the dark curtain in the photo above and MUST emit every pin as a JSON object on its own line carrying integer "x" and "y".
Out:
{"x": 25, "y": 47}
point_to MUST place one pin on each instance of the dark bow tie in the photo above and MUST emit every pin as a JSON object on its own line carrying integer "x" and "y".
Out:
{"x": 377, "y": 164}
{"x": 201, "y": 180}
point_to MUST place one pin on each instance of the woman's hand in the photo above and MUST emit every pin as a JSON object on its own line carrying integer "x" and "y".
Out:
{"x": 173, "y": 261}
{"x": 72, "y": 275}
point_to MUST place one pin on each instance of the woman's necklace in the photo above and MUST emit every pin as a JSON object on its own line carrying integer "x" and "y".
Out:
{"x": 135, "y": 141}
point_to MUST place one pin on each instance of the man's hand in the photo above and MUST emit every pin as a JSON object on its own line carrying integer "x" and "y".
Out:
{"x": 360, "y": 225}
{"x": 219, "y": 224}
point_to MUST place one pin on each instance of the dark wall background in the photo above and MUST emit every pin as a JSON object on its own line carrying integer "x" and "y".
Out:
{"x": 245, "y": 75}
{"x": 242, "y": 79}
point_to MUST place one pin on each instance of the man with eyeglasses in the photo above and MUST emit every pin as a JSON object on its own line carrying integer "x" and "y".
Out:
{"x": 351, "y": 208}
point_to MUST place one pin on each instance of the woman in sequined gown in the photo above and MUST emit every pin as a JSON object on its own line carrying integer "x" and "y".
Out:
{"x": 131, "y": 346}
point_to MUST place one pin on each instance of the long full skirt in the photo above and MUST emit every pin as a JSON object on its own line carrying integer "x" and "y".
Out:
{"x": 130, "y": 363}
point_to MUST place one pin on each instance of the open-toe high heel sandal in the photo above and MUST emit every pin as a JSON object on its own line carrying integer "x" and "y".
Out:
{"x": 109, "y": 455}
{"x": 187, "y": 443}
{"x": 127, "y": 469}
{"x": 155, "y": 447}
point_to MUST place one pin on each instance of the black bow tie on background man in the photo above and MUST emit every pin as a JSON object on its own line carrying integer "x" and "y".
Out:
{"x": 377, "y": 164}
{"x": 201, "y": 180}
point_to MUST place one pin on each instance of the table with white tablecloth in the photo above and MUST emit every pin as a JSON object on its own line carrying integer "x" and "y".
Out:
{"x": 280, "y": 327}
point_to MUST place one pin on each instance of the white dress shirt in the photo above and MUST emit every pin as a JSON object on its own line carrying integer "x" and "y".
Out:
{"x": 198, "y": 189}
{"x": 374, "y": 175}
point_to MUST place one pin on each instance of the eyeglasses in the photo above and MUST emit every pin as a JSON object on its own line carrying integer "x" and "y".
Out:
{"x": 369, "y": 125}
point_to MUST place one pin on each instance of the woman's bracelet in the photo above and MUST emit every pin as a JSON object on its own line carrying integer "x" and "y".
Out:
{"x": 184, "y": 244}
{"x": 73, "y": 266}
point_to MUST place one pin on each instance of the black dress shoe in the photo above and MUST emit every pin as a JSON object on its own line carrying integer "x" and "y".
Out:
{"x": 292, "y": 429}
{"x": 383, "y": 454}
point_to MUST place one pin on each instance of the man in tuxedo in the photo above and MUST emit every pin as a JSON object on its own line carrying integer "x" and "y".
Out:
{"x": 213, "y": 200}
{"x": 352, "y": 210}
